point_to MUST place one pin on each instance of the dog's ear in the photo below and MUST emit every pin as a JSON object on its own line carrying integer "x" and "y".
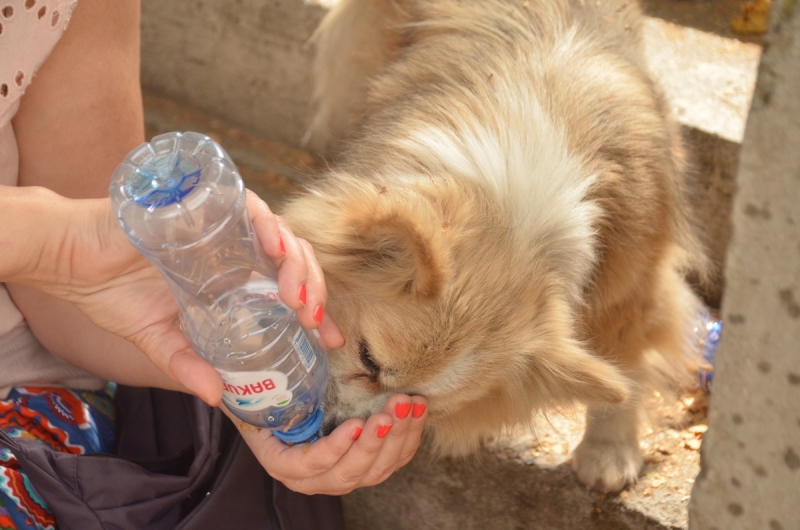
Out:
{"x": 570, "y": 372}
{"x": 396, "y": 250}
{"x": 374, "y": 243}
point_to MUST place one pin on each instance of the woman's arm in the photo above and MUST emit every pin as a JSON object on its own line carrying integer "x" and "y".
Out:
{"x": 83, "y": 111}
{"x": 76, "y": 122}
{"x": 78, "y": 119}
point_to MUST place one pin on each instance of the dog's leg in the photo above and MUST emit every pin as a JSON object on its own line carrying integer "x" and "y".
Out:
{"x": 608, "y": 458}
{"x": 355, "y": 39}
{"x": 647, "y": 335}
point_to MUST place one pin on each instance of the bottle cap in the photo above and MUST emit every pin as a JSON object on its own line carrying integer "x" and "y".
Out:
{"x": 305, "y": 432}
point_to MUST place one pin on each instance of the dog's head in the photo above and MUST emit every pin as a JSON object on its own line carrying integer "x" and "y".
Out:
{"x": 438, "y": 295}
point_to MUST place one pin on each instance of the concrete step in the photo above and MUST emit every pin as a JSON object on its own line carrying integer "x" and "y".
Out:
{"x": 240, "y": 72}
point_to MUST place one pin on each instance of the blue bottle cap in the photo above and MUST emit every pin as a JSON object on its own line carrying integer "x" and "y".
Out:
{"x": 306, "y": 431}
{"x": 165, "y": 180}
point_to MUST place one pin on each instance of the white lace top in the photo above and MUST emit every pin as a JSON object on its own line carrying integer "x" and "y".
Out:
{"x": 29, "y": 29}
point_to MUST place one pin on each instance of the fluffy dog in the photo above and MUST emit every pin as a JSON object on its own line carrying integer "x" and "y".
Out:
{"x": 505, "y": 227}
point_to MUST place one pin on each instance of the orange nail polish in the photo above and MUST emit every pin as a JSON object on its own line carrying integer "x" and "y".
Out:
{"x": 302, "y": 295}
{"x": 402, "y": 410}
{"x": 383, "y": 430}
{"x": 283, "y": 246}
{"x": 419, "y": 410}
{"x": 318, "y": 313}
{"x": 357, "y": 433}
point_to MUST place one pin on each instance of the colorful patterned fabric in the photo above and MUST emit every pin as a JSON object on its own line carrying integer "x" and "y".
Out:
{"x": 70, "y": 421}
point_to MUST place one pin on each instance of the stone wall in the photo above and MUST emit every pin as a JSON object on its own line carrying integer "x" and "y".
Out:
{"x": 750, "y": 459}
{"x": 243, "y": 61}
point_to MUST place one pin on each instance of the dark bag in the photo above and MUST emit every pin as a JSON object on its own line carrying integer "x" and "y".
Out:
{"x": 179, "y": 464}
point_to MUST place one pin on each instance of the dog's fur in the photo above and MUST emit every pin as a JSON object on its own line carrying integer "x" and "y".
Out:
{"x": 505, "y": 225}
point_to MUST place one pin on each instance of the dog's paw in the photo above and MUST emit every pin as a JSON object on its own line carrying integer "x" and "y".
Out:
{"x": 607, "y": 465}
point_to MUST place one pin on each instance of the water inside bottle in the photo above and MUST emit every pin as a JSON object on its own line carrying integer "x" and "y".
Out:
{"x": 270, "y": 365}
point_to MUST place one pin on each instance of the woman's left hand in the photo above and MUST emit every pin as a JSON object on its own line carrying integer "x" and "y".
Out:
{"x": 356, "y": 454}
{"x": 86, "y": 259}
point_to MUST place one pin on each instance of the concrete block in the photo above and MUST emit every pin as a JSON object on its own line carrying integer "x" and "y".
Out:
{"x": 750, "y": 477}
{"x": 245, "y": 61}
{"x": 708, "y": 81}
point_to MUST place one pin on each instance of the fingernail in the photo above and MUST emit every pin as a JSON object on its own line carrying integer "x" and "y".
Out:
{"x": 357, "y": 433}
{"x": 283, "y": 246}
{"x": 419, "y": 410}
{"x": 402, "y": 410}
{"x": 302, "y": 295}
{"x": 383, "y": 430}
{"x": 318, "y": 312}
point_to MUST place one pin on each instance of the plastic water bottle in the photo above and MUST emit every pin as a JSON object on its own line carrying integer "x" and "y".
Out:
{"x": 181, "y": 202}
{"x": 706, "y": 333}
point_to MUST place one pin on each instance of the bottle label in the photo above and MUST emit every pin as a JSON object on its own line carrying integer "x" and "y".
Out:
{"x": 252, "y": 391}
{"x": 303, "y": 347}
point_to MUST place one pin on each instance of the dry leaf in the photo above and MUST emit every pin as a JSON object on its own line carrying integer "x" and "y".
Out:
{"x": 754, "y": 18}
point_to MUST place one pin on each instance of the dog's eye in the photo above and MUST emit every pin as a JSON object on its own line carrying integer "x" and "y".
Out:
{"x": 366, "y": 359}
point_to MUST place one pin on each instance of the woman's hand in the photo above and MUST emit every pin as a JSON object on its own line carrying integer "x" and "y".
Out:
{"x": 81, "y": 255}
{"x": 354, "y": 455}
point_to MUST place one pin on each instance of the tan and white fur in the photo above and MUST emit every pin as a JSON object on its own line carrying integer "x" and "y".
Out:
{"x": 503, "y": 227}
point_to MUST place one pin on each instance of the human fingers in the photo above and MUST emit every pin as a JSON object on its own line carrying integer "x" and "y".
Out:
{"x": 348, "y": 473}
{"x": 285, "y": 251}
{"x": 330, "y": 334}
{"x": 399, "y": 406}
{"x": 316, "y": 295}
{"x": 314, "y": 312}
{"x": 265, "y": 225}
{"x": 297, "y": 466}
{"x": 167, "y": 347}
{"x": 293, "y": 272}
{"x": 413, "y": 438}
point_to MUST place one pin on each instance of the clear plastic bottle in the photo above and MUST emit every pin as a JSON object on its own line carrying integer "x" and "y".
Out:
{"x": 181, "y": 202}
{"x": 706, "y": 333}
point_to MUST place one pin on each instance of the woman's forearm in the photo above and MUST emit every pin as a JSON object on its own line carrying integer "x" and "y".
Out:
{"x": 30, "y": 219}
{"x": 69, "y": 334}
